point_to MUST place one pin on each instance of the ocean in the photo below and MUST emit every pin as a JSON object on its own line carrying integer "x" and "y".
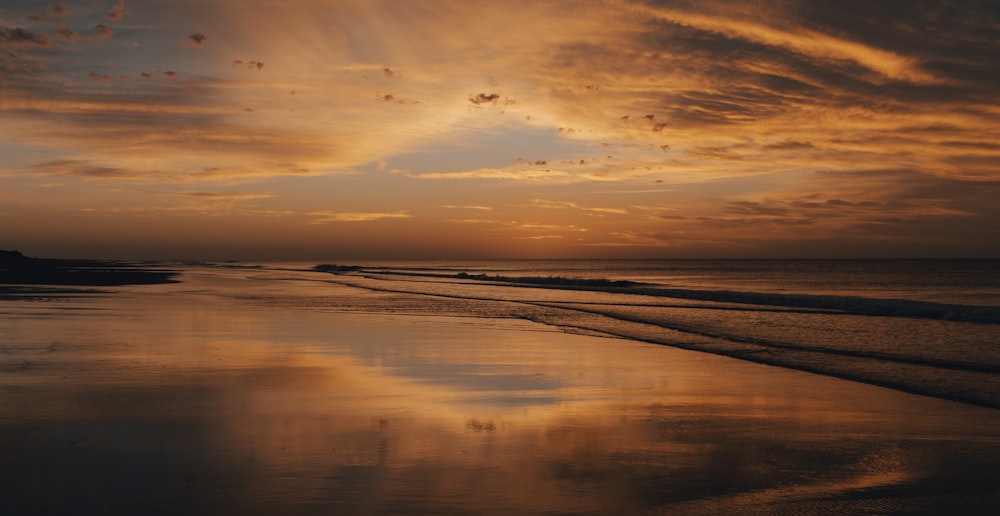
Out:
{"x": 922, "y": 326}
{"x": 506, "y": 387}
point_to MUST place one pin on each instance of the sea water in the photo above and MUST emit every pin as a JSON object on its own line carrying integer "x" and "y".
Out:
{"x": 922, "y": 326}
{"x": 270, "y": 388}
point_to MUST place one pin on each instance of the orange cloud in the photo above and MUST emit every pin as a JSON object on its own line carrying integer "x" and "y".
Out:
{"x": 325, "y": 217}
{"x": 800, "y": 40}
{"x": 117, "y": 11}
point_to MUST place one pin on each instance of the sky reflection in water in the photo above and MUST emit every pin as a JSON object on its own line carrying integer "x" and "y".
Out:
{"x": 188, "y": 403}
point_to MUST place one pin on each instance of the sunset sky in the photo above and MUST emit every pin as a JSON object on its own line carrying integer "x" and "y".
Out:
{"x": 382, "y": 129}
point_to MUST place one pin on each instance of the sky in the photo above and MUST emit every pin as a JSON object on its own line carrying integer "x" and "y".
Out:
{"x": 439, "y": 129}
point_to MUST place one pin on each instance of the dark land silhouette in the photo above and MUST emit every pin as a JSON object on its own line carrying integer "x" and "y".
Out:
{"x": 17, "y": 269}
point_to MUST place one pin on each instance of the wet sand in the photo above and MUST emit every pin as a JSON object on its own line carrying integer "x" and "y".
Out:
{"x": 167, "y": 399}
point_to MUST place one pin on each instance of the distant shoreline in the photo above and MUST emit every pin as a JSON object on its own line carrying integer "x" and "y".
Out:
{"x": 17, "y": 269}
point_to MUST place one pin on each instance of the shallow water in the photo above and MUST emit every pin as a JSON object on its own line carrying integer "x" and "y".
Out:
{"x": 263, "y": 392}
{"x": 935, "y": 335}
{"x": 973, "y": 282}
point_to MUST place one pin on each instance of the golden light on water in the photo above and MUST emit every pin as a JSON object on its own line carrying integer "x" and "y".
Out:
{"x": 259, "y": 389}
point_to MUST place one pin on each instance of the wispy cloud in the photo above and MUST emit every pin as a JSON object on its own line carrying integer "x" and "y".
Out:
{"x": 326, "y": 217}
{"x": 560, "y": 205}
{"x": 14, "y": 37}
{"x": 116, "y": 11}
{"x": 96, "y": 171}
{"x": 103, "y": 31}
{"x": 492, "y": 173}
{"x": 483, "y": 221}
{"x": 185, "y": 209}
{"x": 534, "y": 226}
{"x": 540, "y": 237}
{"x": 467, "y": 207}
{"x": 800, "y": 40}
{"x": 227, "y": 196}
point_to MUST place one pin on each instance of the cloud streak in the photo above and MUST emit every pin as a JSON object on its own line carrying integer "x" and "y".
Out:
{"x": 327, "y": 217}
{"x": 807, "y": 42}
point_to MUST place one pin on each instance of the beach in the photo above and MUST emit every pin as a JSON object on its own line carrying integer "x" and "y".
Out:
{"x": 476, "y": 257}
{"x": 270, "y": 391}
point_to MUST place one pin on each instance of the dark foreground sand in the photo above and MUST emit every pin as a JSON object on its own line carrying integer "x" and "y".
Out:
{"x": 171, "y": 399}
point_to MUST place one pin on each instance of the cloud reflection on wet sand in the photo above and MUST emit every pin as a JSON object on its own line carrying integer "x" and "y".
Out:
{"x": 187, "y": 404}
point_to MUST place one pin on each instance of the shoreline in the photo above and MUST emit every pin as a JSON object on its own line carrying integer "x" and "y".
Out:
{"x": 976, "y": 386}
{"x": 17, "y": 269}
{"x": 205, "y": 402}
